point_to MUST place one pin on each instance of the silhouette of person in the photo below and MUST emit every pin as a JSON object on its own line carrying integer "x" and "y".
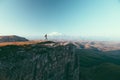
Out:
{"x": 45, "y": 36}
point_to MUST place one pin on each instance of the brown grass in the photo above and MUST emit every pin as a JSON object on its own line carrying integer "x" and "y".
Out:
{"x": 19, "y": 43}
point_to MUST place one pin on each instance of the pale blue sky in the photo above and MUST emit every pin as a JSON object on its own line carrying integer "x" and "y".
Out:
{"x": 89, "y": 18}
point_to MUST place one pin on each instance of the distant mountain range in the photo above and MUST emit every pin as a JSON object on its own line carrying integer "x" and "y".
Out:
{"x": 12, "y": 38}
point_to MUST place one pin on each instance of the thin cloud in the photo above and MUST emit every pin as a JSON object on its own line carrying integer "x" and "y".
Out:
{"x": 55, "y": 34}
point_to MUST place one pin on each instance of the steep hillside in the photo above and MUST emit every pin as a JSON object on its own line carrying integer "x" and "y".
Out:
{"x": 50, "y": 60}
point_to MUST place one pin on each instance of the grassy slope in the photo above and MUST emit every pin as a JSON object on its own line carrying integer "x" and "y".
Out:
{"x": 99, "y": 66}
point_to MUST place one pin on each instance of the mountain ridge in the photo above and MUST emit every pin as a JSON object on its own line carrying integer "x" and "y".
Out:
{"x": 49, "y": 60}
{"x": 12, "y": 38}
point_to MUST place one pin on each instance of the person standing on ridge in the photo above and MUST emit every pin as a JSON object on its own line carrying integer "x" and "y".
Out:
{"x": 45, "y": 36}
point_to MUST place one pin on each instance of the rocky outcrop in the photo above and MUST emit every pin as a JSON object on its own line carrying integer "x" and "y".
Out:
{"x": 41, "y": 61}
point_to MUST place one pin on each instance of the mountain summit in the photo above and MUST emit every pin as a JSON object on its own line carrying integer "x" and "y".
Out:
{"x": 12, "y": 38}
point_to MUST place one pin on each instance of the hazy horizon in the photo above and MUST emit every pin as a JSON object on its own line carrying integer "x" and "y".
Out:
{"x": 89, "y": 19}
